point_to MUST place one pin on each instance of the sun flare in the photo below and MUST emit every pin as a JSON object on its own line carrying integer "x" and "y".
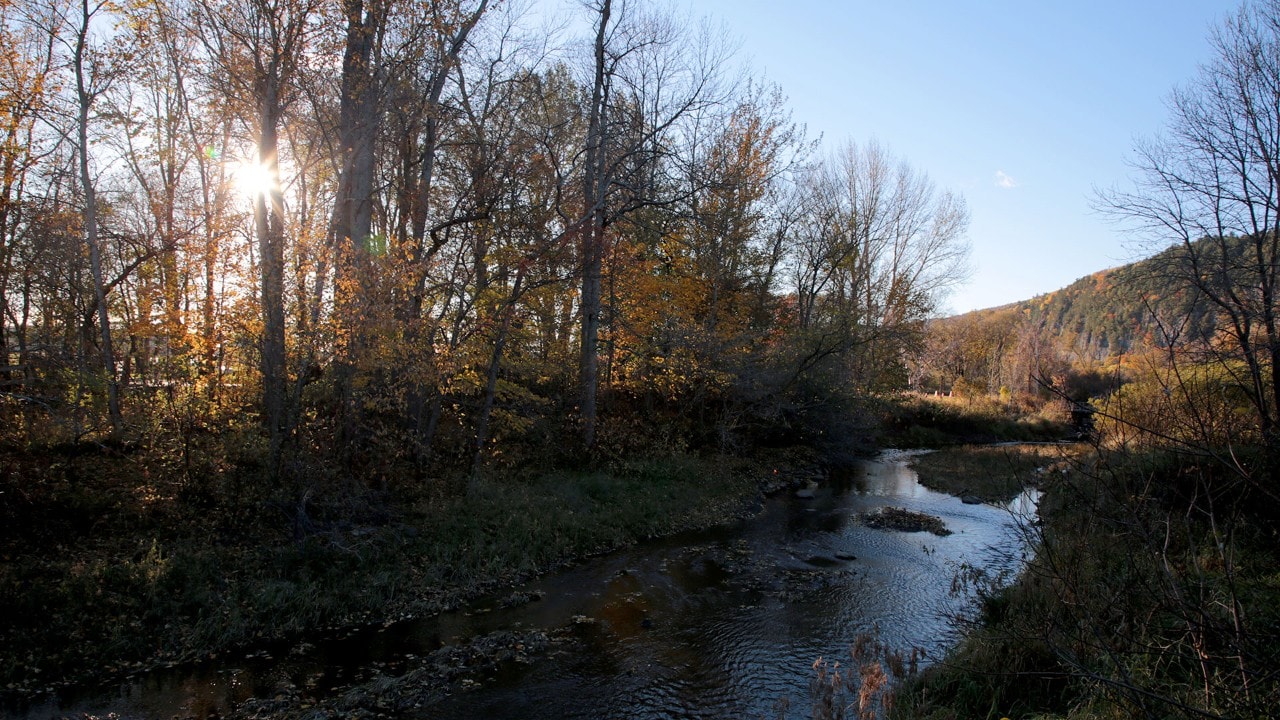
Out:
{"x": 252, "y": 178}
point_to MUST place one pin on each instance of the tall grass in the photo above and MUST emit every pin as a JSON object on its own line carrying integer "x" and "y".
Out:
{"x": 996, "y": 473}
{"x": 918, "y": 420}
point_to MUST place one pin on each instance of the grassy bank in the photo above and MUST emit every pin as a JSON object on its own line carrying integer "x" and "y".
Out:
{"x": 994, "y": 473}
{"x": 109, "y": 566}
{"x": 912, "y": 420}
{"x": 1154, "y": 592}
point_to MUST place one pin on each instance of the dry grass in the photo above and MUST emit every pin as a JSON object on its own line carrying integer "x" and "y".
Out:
{"x": 995, "y": 473}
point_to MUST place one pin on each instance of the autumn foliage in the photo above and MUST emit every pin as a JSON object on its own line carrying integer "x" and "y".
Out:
{"x": 431, "y": 254}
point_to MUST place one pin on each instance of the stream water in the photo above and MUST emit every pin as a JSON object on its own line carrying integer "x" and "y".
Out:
{"x": 721, "y": 623}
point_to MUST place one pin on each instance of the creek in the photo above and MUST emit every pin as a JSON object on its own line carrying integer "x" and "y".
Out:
{"x": 719, "y": 623}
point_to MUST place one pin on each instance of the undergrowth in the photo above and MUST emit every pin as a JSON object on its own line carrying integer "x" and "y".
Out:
{"x": 995, "y": 473}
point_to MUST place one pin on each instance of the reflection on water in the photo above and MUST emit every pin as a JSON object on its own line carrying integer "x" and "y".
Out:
{"x": 723, "y": 623}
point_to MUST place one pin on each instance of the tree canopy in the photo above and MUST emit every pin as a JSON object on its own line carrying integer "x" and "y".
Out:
{"x": 434, "y": 235}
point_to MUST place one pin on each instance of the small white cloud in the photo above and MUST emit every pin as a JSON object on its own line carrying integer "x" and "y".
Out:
{"x": 1004, "y": 181}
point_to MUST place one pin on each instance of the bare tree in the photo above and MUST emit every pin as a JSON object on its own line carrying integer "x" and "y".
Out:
{"x": 647, "y": 74}
{"x": 431, "y": 50}
{"x": 1211, "y": 187}
{"x": 879, "y": 247}
{"x": 449, "y": 29}
{"x": 90, "y": 68}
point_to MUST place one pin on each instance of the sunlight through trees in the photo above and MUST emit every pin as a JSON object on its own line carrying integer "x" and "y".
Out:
{"x": 435, "y": 237}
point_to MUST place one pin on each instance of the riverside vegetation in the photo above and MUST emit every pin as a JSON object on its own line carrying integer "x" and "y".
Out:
{"x": 120, "y": 558}
{"x": 1152, "y": 592}
{"x": 113, "y": 567}
{"x": 216, "y": 579}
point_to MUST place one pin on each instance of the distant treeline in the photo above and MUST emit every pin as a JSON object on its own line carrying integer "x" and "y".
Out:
{"x": 1078, "y": 334}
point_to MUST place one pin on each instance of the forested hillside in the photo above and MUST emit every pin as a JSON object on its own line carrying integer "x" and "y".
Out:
{"x": 1085, "y": 327}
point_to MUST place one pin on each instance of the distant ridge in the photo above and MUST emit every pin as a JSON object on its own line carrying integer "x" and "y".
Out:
{"x": 1109, "y": 312}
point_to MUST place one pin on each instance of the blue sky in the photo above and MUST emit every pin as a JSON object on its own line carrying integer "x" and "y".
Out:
{"x": 1024, "y": 107}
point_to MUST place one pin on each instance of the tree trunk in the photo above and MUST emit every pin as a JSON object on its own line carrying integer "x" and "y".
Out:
{"x": 490, "y": 394}
{"x": 6, "y": 267}
{"x": 268, "y": 211}
{"x": 589, "y": 359}
{"x": 491, "y": 377}
{"x": 594, "y": 192}
{"x": 90, "y": 217}
{"x": 352, "y": 220}
{"x": 358, "y": 125}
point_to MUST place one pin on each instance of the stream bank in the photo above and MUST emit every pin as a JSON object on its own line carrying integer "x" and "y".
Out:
{"x": 720, "y": 622}
{"x": 92, "y": 605}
